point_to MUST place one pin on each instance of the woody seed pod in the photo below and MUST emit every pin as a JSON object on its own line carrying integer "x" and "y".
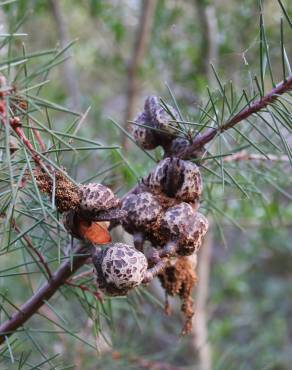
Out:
{"x": 182, "y": 224}
{"x": 120, "y": 268}
{"x": 177, "y": 179}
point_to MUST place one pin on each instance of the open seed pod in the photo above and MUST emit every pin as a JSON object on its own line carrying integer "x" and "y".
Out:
{"x": 181, "y": 224}
{"x": 177, "y": 179}
{"x": 83, "y": 229}
{"x": 97, "y": 205}
{"x": 120, "y": 268}
{"x": 142, "y": 212}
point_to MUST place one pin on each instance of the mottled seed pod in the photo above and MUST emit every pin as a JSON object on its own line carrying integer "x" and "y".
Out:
{"x": 177, "y": 146}
{"x": 144, "y": 136}
{"x": 161, "y": 123}
{"x": 182, "y": 224}
{"x": 120, "y": 268}
{"x": 177, "y": 179}
{"x": 97, "y": 197}
{"x": 162, "y": 118}
{"x": 142, "y": 212}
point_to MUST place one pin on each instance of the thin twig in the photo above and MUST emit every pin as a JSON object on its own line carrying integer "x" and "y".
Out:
{"x": 16, "y": 126}
{"x": 31, "y": 246}
{"x": 254, "y": 107}
{"x": 84, "y": 288}
{"x": 244, "y": 156}
{"x": 39, "y": 139}
{"x": 32, "y": 305}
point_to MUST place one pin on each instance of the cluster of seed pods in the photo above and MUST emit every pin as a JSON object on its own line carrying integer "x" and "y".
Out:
{"x": 165, "y": 208}
{"x": 162, "y": 210}
{"x": 119, "y": 267}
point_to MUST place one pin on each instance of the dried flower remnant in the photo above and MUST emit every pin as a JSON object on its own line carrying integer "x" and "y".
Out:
{"x": 67, "y": 194}
{"x": 178, "y": 279}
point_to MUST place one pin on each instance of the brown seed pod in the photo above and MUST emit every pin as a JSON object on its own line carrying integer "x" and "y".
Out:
{"x": 142, "y": 212}
{"x": 177, "y": 179}
{"x": 182, "y": 224}
{"x": 96, "y": 198}
{"x": 120, "y": 268}
{"x": 144, "y": 136}
{"x": 162, "y": 118}
{"x": 177, "y": 146}
{"x": 161, "y": 128}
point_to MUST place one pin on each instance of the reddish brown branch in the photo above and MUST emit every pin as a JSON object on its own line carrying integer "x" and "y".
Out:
{"x": 16, "y": 126}
{"x": 39, "y": 139}
{"x": 31, "y": 246}
{"x": 29, "y": 308}
{"x": 254, "y": 107}
{"x": 96, "y": 294}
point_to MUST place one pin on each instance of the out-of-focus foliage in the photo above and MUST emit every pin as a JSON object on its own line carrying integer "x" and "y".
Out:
{"x": 250, "y": 283}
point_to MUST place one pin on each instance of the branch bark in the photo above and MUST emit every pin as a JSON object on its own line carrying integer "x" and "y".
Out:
{"x": 30, "y": 307}
{"x": 142, "y": 40}
{"x": 253, "y": 108}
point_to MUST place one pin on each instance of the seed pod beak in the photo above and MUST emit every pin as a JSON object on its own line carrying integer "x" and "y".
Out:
{"x": 113, "y": 214}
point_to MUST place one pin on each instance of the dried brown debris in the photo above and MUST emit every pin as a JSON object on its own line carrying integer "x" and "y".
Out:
{"x": 179, "y": 278}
